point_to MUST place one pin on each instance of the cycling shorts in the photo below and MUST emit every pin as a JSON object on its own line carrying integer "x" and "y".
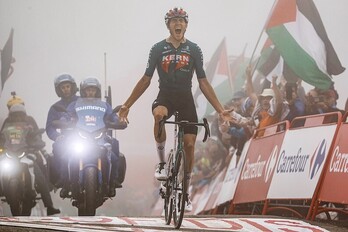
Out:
{"x": 180, "y": 101}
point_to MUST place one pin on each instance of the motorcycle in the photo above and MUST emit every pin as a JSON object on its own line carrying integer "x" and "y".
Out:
{"x": 88, "y": 158}
{"x": 17, "y": 157}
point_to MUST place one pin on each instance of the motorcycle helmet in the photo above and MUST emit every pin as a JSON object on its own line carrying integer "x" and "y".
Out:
{"x": 64, "y": 78}
{"x": 14, "y": 100}
{"x": 176, "y": 12}
{"x": 17, "y": 108}
{"x": 90, "y": 82}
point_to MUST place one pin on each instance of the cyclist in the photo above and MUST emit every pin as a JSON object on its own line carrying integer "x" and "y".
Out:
{"x": 176, "y": 58}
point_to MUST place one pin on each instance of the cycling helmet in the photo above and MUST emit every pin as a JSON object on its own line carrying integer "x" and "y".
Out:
{"x": 88, "y": 82}
{"x": 176, "y": 12}
{"x": 64, "y": 78}
{"x": 14, "y": 100}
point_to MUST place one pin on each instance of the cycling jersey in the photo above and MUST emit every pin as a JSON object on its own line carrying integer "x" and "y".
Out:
{"x": 175, "y": 66}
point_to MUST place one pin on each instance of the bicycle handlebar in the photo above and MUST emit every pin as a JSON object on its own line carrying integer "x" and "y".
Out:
{"x": 185, "y": 123}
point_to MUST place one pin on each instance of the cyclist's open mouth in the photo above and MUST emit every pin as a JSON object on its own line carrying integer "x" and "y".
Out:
{"x": 178, "y": 31}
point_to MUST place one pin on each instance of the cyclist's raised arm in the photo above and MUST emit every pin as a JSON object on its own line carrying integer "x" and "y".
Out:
{"x": 138, "y": 90}
{"x": 209, "y": 93}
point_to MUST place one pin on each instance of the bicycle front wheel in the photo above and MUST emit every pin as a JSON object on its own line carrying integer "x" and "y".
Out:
{"x": 168, "y": 200}
{"x": 179, "y": 188}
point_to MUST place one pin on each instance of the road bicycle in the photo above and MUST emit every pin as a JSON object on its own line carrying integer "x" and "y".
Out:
{"x": 174, "y": 191}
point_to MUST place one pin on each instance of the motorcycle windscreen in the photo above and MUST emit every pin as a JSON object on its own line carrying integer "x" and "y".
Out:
{"x": 90, "y": 113}
{"x": 15, "y": 135}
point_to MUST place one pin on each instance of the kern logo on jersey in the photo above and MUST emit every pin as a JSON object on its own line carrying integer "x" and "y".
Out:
{"x": 180, "y": 60}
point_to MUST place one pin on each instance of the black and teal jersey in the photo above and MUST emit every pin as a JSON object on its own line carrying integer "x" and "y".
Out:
{"x": 175, "y": 66}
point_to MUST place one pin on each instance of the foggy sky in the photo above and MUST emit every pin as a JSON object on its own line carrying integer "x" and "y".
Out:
{"x": 56, "y": 36}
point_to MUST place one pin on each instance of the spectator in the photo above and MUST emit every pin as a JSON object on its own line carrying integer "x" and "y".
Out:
{"x": 296, "y": 104}
{"x": 269, "y": 106}
{"x": 234, "y": 135}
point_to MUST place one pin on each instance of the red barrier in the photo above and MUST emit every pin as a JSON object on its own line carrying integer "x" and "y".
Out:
{"x": 303, "y": 157}
{"x": 334, "y": 187}
{"x": 259, "y": 164}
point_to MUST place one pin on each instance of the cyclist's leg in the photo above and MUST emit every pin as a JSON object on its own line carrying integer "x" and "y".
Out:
{"x": 158, "y": 113}
{"x": 189, "y": 146}
{"x": 161, "y": 107}
{"x": 188, "y": 112}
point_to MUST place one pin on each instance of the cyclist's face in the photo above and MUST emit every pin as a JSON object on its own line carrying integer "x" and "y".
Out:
{"x": 177, "y": 28}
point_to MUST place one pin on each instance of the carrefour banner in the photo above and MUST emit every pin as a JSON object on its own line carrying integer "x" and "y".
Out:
{"x": 258, "y": 169}
{"x": 300, "y": 163}
{"x": 337, "y": 170}
{"x": 231, "y": 178}
{"x": 204, "y": 198}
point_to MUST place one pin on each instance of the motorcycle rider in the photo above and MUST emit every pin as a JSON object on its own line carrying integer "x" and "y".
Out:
{"x": 17, "y": 114}
{"x": 65, "y": 87}
{"x": 91, "y": 88}
{"x": 42, "y": 155}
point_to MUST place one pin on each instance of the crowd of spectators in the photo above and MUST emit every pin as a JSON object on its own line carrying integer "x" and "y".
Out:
{"x": 277, "y": 101}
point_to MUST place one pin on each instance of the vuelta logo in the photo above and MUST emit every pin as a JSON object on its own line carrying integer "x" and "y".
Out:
{"x": 317, "y": 159}
{"x": 271, "y": 163}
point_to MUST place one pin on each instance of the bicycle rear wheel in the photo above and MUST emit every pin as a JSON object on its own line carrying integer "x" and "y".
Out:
{"x": 179, "y": 189}
{"x": 168, "y": 201}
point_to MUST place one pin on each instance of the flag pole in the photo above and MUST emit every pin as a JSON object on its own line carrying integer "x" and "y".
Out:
{"x": 263, "y": 29}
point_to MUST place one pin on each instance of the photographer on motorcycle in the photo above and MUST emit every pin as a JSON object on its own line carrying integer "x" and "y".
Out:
{"x": 90, "y": 88}
{"x": 42, "y": 155}
{"x": 17, "y": 114}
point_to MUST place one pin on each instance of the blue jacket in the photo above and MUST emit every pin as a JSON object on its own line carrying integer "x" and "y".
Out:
{"x": 55, "y": 113}
{"x": 88, "y": 112}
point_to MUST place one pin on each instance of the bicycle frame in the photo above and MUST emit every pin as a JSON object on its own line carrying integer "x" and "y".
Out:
{"x": 175, "y": 195}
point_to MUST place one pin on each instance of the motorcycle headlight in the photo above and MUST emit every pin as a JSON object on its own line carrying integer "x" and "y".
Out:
{"x": 7, "y": 166}
{"x": 79, "y": 148}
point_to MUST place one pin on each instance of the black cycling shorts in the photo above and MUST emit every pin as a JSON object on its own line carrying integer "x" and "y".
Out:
{"x": 181, "y": 101}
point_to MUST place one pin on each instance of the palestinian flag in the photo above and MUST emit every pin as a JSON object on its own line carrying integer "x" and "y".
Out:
{"x": 271, "y": 63}
{"x": 6, "y": 60}
{"x": 298, "y": 34}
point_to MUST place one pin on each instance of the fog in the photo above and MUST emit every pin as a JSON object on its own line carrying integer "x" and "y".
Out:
{"x": 74, "y": 36}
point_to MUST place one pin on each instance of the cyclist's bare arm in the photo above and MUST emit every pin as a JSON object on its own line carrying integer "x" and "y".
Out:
{"x": 138, "y": 90}
{"x": 209, "y": 93}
